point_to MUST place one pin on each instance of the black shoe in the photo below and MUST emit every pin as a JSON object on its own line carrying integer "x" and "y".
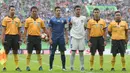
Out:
{"x": 28, "y": 68}
{"x": 40, "y": 68}
{"x": 4, "y": 69}
{"x": 82, "y": 69}
{"x": 123, "y": 69}
{"x": 112, "y": 69}
{"x": 71, "y": 68}
{"x": 91, "y": 69}
{"x": 101, "y": 69}
{"x": 18, "y": 69}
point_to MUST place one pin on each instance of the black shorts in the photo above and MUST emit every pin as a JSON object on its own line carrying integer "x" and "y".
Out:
{"x": 97, "y": 44}
{"x": 11, "y": 42}
{"x": 33, "y": 43}
{"x": 118, "y": 46}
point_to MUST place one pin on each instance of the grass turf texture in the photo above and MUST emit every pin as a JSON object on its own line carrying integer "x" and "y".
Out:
{"x": 45, "y": 46}
{"x": 57, "y": 64}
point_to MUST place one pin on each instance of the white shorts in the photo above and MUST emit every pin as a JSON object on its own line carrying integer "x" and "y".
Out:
{"x": 77, "y": 44}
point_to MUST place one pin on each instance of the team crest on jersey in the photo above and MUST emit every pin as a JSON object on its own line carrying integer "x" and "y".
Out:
{"x": 38, "y": 24}
{"x": 17, "y": 24}
{"x": 82, "y": 21}
{"x": 35, "y": 22}
{"x": 13, "y": 22}
{"x": 101, "y": 26}
{"x": 62, "y": 21}
{"x": 58, "y": 20}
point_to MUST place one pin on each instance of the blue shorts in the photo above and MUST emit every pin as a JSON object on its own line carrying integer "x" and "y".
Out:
{"x": 60, "y": 42}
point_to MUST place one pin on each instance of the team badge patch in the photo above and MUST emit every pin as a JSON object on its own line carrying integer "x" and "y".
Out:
{"x": 38, "y": 24}
{"x": 101, "y": 26}
{"x": 82, "y": 21}
{"x": 13, "y": 22}
{"x": 62, "y": 21}
{"x": 17, "y": 24}
{"x": 35, "y": 22}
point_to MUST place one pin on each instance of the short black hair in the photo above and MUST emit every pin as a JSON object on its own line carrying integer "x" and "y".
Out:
{"x": 57, "y": 7}
{"x": 77, "y": 6}
{"x": 33, "y": 7}
{"x": 11, "y": 7}
{"x": 96, "y": 9}
{"x": 117, "y": 12}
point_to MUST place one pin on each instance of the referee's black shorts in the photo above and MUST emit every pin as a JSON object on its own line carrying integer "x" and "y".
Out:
{"x": 118, "y": 46}
{"x": 97, "y": 44}
{"x": 33, "y": 43}
{"x": 11, "y": 42}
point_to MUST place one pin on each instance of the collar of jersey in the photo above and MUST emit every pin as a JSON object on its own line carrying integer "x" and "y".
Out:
{"x": 13, "y": 17}
{"x": 32, "y": 17}
{"x": 98, "y": 19}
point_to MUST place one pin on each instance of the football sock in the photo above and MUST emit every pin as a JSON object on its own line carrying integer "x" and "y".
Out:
{"x": 123, "y": 62}
{"x": 113, "y": 62}
{"x": 4, "y": 65}
{"x": 28, "y": 59}
{"x": 39, "y": 58}
{"x": 101, "y": 61}
{"x": 51, "y": 59}
{"x": 81, "y": 59}
{"x": 91, "y": 61}
{"x": 16, "y": 59}
{"x": 63, "y": 59}
{"x": 72, "y": 57}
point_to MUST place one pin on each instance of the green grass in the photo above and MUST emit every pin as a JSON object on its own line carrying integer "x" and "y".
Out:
{"x": 45, "y": 46}
{"x": 57, "y": 64}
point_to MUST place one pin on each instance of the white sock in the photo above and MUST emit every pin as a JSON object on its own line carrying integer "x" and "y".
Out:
{"x": 72, "y": 59}
{"x": 81, "y": 59}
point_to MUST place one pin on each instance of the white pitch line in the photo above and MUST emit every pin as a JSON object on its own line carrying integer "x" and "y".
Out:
{"x": 48, "y": 64}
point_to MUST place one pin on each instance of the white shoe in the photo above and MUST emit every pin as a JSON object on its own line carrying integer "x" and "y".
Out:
{"x": 50, "y": 69}
{"x": 63, "y": 69}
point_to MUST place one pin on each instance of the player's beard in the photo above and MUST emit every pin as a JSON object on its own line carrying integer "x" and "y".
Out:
{"x": 118, "y": 20}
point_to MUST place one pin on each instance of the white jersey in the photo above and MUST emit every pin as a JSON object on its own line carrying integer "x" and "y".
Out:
{"x": 77, "y": 30}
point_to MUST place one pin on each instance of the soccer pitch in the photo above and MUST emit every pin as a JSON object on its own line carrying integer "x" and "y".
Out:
{"x": 57, "y": 64}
